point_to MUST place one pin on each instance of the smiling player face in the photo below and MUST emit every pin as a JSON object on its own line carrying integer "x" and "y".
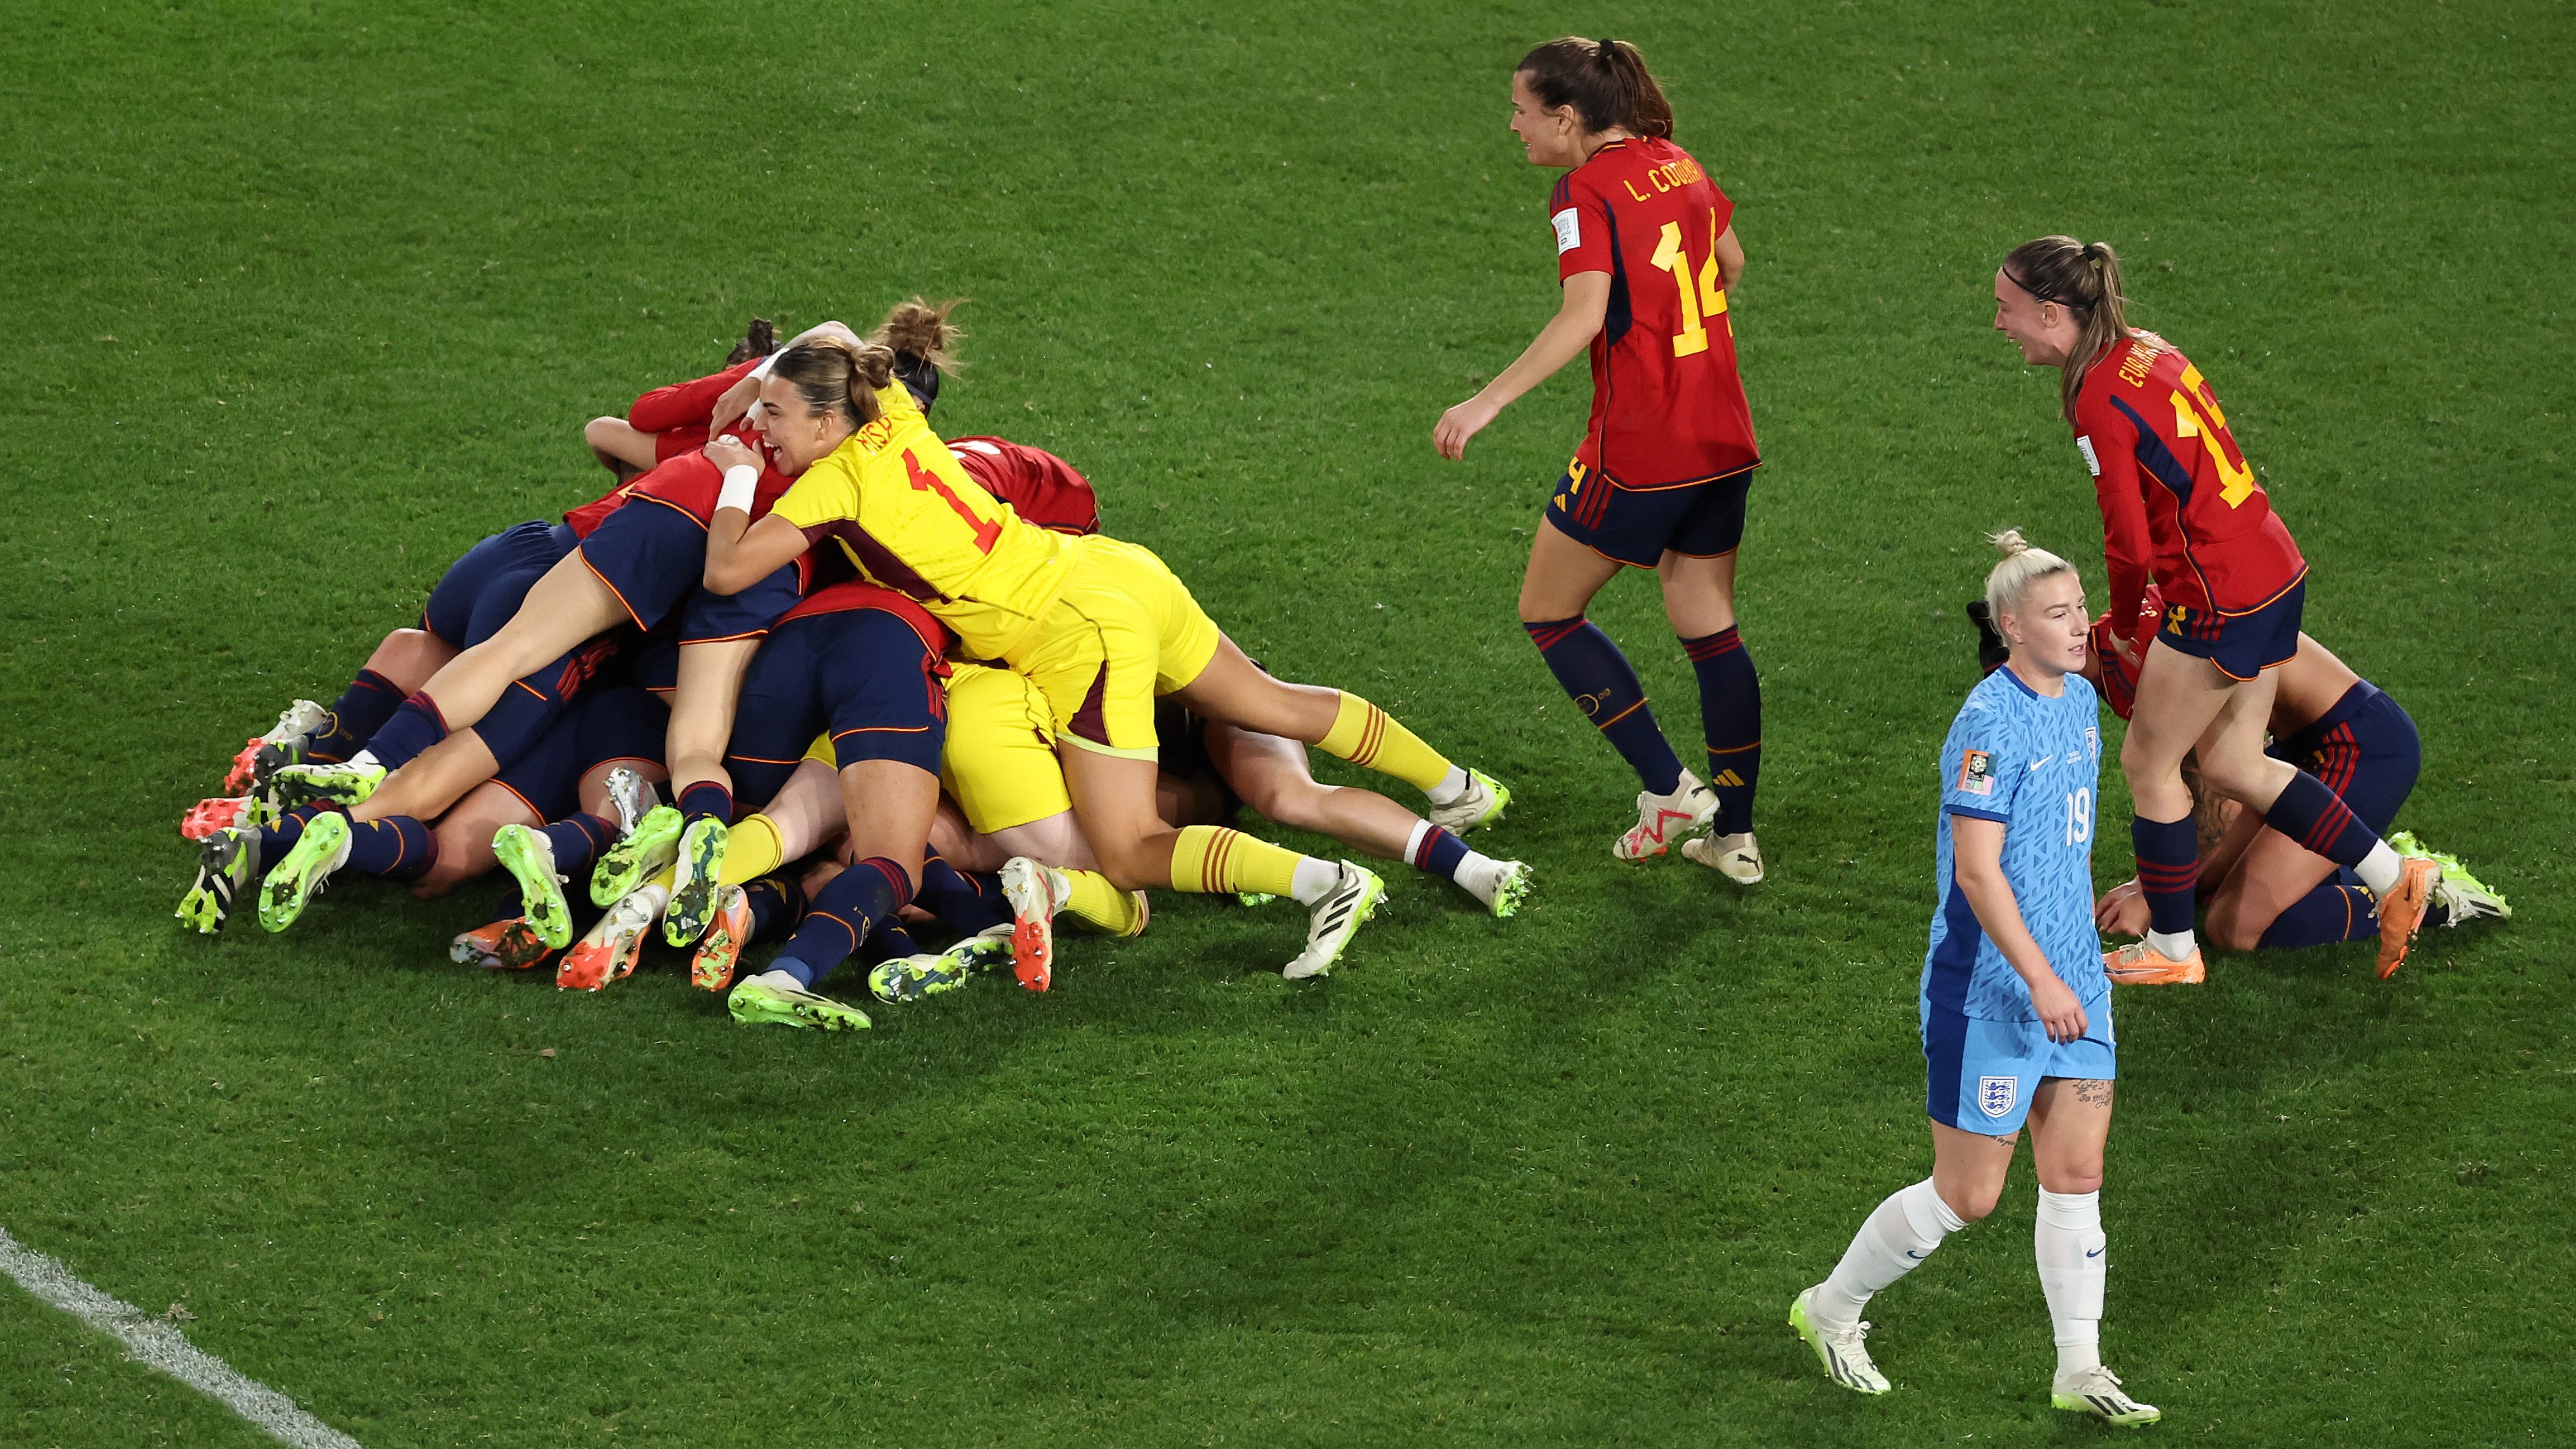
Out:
{"x": 2045, "y": 332}
{"x": 1550, "y": 138}
{"x": 2047, "y": 627}
{"x": 798, "y": 435}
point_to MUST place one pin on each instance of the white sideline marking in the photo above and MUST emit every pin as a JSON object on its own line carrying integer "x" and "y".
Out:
{"x": 159, "y": 1345}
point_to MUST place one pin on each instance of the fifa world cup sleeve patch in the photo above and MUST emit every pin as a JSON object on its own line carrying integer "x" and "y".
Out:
{"x": 1569, "y": 230}
{"x": 2084, "y": 445}
{"x": 1977, "y": 773}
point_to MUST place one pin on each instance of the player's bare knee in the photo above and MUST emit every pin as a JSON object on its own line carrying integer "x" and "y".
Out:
{"x": 1974, "y": 1204}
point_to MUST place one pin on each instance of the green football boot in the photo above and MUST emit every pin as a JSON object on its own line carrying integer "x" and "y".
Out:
{"x": 1480, "y": 805}
{"x": 226, "y": 861}
{"x": 912, "y": 978}
{"x": 345, "y": 785}
{"x": 307, "y": 868}
{"x": 530, "y": 859}
{"x": 695, "y": 878}
{"x": 762, "y": 1001}
{"x": 2463, "y": 895}
{"x": 653, "y": 844}
{"x": 1511, "y": 888}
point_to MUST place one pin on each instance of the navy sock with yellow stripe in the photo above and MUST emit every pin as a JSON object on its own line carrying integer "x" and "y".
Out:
{"x": 1603, "y": 685}
{"x": 396, "y": 847}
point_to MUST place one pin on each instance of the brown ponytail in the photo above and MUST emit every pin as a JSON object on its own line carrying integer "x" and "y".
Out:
{"x": 1606, "y": 81}
{"x": 921, "y": 328}
{"x": 2083, "y": 278}
{"x": 833, "y": 376}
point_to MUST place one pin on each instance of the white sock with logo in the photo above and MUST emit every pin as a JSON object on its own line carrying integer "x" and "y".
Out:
{"x": 2074, "y": 1265}
{"x": 1899, "y": 1235}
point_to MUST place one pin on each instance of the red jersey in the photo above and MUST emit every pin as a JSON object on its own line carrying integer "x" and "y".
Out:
{"x": 1668, "y": 406}
{"x": 676, "y": 416}
{"x": 2180, "y": 507}
{"x": 689, "y": 483}
{"x": 1040, "y": 487}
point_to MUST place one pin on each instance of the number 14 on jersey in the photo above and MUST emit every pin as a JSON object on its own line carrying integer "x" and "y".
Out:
{"x": 1702, "y": 297}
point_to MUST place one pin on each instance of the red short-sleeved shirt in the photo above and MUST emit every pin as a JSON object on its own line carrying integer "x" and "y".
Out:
{"x": 2180, "y": 505}
{"x": 1668, "y": 405}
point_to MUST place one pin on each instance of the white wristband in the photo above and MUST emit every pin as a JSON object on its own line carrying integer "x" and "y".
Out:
{"x": 761, "y": 372}
{"x": 741, "y": 481}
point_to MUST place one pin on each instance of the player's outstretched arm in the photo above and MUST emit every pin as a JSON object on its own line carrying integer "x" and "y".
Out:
{"x": 1576, "y": 323}
{"x": 1977, "y": 858}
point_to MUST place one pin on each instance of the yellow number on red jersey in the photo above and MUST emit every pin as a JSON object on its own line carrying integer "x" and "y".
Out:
{"x": 2196, "y": 415}
{"x": 1701, "y": 296}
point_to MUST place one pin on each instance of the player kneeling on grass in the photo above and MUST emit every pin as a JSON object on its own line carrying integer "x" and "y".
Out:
{"x": 2016, "y": 1008}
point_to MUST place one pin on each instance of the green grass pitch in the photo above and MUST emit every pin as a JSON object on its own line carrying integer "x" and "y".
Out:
{"x": 302, "y": 298}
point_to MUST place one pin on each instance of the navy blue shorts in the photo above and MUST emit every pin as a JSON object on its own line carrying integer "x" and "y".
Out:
{"x": 481, "y": 591}
{"x": 2241, "y": 645}
{"x": 1637, "y": 526}
{"x": 546, "y": 775}
{"x": 624, "y": 723}
{"x": 2365, "y": 749}
{"x": 651, "y": 555}
{"x": 861, "y": 675}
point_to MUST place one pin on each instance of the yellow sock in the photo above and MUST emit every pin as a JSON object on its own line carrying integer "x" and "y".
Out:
{"x": 1372, "y": 739}
{"x": 1211, "y": 859}
{"x": 1102, "y": 906}
{"x": 753, "y": 848}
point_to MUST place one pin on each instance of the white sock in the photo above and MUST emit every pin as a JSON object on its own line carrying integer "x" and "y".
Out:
{"x": 1451, "y": 786}
{"x": 1900, "y": 1234}
{"x": 2172, "y": 945}
{"x": 2074, "y": 1264}
{"x": 782, "y": 980}
{"x": 2380, "y": 869}
{"x": 1479, "y": 876}
{"x": 368, "y": 757}
{"x": 1413, "y": 843}
{"x": 1315, "y": 879}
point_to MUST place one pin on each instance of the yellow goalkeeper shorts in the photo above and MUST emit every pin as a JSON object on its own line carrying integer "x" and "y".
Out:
{"x": 1123, "y": 631}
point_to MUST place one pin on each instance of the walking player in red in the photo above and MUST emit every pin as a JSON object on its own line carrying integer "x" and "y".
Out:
{"x": 2181, "y": 509}
{"x": 1646, "y": 251}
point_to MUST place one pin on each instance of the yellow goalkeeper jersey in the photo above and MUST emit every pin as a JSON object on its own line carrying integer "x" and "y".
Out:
{"x": 895, "y": 500}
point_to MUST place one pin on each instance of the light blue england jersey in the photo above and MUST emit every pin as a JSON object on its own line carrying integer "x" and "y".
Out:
{"x": 2016, "y": 756}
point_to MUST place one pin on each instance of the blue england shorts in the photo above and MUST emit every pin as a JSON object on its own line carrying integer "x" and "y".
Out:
{"x": 2365, "y": 749}
{"x": 861, "y": 675}
{"x": 1981, "y": 1073}
{"x": 652, "y": 554}
{"x": 2241, "y": 645}
{"x": 1637, "y": 526}
{"x": 481, "y": 591}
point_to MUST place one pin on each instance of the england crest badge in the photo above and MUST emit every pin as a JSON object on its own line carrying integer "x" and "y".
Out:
{"x": 1995, "y": 1095}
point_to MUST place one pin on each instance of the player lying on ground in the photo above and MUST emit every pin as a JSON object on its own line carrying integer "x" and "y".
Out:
{"x": 1660, "y": 479}
{"x": 637, "y": 564}
{"x": 2015, "y": 1008}
{"x": 1101, "y": 626}
{"x": 1018, "y": 818}
{"x": 2181, "y": 509}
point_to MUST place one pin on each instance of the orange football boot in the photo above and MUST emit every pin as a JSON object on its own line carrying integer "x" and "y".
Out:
{"x": 2139, "y": 964}
{"x": 728, "y": 930}
{"x": 2401, "y": 911}
{"x": 511, "y": 945}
